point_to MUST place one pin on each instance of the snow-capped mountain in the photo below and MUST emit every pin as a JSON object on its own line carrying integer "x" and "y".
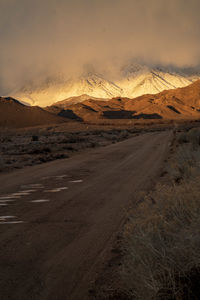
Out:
{"x": 134, "y": 80}
{"x": 138, "y": 80}
{"x": 93, "y": 85}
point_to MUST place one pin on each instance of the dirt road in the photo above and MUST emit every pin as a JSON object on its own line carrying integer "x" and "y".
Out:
{"x": 58, "y": 219}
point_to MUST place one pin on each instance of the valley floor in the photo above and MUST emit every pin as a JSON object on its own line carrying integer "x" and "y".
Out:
{"x": 37, "y": 145}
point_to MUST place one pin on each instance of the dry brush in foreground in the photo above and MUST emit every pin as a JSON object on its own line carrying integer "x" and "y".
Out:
{"x": 162, "y": 249}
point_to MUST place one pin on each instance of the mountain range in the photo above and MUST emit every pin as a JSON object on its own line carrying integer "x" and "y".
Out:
{"x": 134, "y": 80}
{"x": 176, "y": 104}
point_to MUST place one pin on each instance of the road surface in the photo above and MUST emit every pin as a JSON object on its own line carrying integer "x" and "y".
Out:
{"x": 58, "y": 219}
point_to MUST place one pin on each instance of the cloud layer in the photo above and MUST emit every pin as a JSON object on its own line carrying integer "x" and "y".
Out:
{"x": 42, "y": 37}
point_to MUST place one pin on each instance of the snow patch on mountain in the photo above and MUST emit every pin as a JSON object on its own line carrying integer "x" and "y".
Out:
{"x": 134, "y": 80}
{"x": 138, "y": 80}
{"x": 92, "y": 85}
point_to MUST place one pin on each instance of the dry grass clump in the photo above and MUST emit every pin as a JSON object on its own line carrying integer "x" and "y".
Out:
{"x": 182, "y": 138}
{"x": 35, "y": 138}
{"x": 192, "y": 136}
{"x": 162, "y": 251}
{"x": 163, "y": 242}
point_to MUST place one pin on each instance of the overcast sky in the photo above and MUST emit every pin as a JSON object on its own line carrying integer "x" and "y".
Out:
{"x": 42, "y": 37}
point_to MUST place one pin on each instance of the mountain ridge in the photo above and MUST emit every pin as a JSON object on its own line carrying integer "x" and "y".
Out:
{"x": 180, "y": 103}
{"x": 15, "y": 114}
{"x": 176, "y": 104}
{"x": 133, "y": 81}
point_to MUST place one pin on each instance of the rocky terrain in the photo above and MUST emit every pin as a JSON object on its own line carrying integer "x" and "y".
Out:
{"x": 176, "y": 104}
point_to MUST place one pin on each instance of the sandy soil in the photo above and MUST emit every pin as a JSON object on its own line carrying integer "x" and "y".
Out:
{"x": 53, "y": 249}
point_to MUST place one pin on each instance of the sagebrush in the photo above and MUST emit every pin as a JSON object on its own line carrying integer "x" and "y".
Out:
{"x": 162, "y": 257}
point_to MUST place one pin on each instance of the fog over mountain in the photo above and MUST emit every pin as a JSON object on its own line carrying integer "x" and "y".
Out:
{"x": 133, "y": 80}
{"x": 52, "y": 38}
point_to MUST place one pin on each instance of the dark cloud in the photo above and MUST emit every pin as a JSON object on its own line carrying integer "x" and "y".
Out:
{"x": 40, "y": 37}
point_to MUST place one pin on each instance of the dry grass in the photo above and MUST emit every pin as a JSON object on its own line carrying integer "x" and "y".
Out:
{"x": 162, "y": 251}
{"x": 38, "y": 145}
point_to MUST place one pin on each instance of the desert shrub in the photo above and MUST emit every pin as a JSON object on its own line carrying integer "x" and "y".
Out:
{"x": 185, "y": 164}
{"x": 93, "y": 144}
{"x": 194, "y": 136}
{"x": 75, "y": 139}
{"x": 162, "y": 244}
{"x": 109, "y": 136}
{"x": 40, "y": 150}
{"x": 96, "y": 132}
{"x": 162, "y": 241}
{"x": 104, "y": 135}
{"x": 2, "y": 163}
{"x": 124, "y": 134}
{"x": 133, "y": 130}
{"x": 47, "y": 158}
{"x": 43, "y": 159}
{"x": 6, "y": 140}
{"x": 70, "y": 148}
{"x": 45, "y": 149}
{"x": 60, "y": 156}
{"x": 113, "y": 138}
{"x": 182, "y": 138}
{"x": 115, "y": 135}
{"x": 35, "y": 138}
